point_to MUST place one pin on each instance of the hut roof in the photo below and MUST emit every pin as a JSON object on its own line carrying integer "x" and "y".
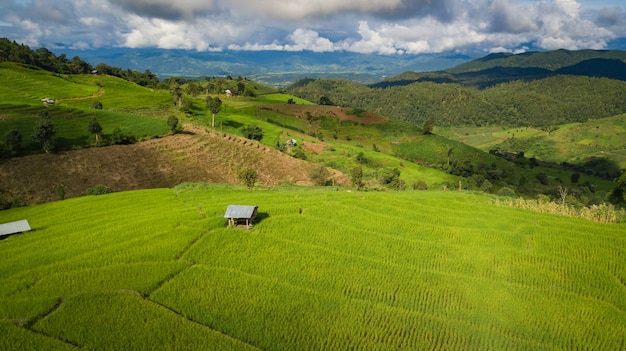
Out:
{"x": 240, "y": 211}
{"x": 7, "y": 229}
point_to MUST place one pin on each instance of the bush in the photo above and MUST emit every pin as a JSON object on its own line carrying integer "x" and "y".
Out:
{"x": 60, "y": 192}
{"x": 172, "y": 123}
{"x": 506, "y": 191}
{"x": 319, "y": 176}
{"x": 299, "y": 153}
{"x": 252, "y": 132}
{"x": 420, "y": 185}
{"x": 97, "y": 105}
{"x": 118, "y": 138}
{"x": 99, "y": 190}
{"x": 248, "y": 177}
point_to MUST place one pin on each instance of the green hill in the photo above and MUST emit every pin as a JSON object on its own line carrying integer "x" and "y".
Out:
{"x": 390, "y": 153}
{"x": 549, "y": 60}
{"x": 158, "y": 269}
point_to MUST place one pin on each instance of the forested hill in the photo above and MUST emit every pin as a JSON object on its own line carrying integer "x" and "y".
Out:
{"x": 510, "y": 96}
{"x": 505, "y": 67}
{"x": 44, "y": 59}
{"x": 549, "y": 60}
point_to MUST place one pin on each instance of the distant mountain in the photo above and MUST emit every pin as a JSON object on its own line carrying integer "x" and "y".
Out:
{"x": 551, "y": 60}
{"x": 277, "y": 68}
{"x": 505, "y": 67}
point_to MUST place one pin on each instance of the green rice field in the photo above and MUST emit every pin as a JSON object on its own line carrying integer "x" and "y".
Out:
{"x": 320, "y": 270}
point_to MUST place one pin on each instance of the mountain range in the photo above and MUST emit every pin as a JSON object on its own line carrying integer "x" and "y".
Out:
{"x": 275, "y": 68}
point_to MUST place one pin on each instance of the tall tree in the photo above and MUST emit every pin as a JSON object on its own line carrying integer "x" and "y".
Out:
{"x": 213, "y": 104}
{"x": 44, "y": 132}
{"x": 94, "y": 128}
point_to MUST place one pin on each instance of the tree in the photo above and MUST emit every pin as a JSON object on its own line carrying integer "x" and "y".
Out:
{"x": 213, "y": 104}
{"x": 428, "y": 126}
{"x": 97, "y": 105}
{"x": 186, "y": 104}
{"x": 356, "y": 177}
{"x": 252, "y": 132}
{"x": 248, "y": 177}
{"x": 391, "y": 179}
{"x": 44, "y": 132}
{"x": 177, "y": 93}
{"x": 617, "y": 196}
{"x": 325, "y": 100}
{"x": 172, "y": 123}
{"x": 14, "y": 141}
{"x": 94, "y": 128}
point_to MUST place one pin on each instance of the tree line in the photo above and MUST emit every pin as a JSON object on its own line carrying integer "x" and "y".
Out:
{"x": 43, "y": 58}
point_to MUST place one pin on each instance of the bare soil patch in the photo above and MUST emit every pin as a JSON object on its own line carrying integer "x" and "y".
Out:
{"x": 195, "y": 155}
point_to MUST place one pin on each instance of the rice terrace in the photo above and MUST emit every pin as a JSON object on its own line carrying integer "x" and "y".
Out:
{"x": 366, "y": 232}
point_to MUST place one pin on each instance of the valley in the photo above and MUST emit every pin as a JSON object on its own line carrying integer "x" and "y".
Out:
{"x": 419, "y": 215}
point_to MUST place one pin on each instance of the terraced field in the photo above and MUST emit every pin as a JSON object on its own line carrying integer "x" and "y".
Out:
{"x": 321, "y": 269}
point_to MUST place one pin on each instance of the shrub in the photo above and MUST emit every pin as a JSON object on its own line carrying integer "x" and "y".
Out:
{"x": 172, "y": 123}
{"x": 252, "y": 132}
{"x": 118, "y": 138}
{"x": 248, "y": 177}
{"x": 420, "y": 185}
{"x": 60, "y": 192}
{"x": 99, "y": 190}
{"x": 319, "y": 176}
{"x": 356, "y": 177}
{"x": 506, "y": 191}
{"x": 299, "y": 153}
{"x": 97, "y": 105}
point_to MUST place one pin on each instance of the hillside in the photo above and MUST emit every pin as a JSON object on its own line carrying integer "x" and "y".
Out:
{"x": 195, "y": 155}
{"x": 542, "y": 102}
{"x": 387, "y": 152}
{"x": 159, "y": 269}
{"x": 548, "y": 60}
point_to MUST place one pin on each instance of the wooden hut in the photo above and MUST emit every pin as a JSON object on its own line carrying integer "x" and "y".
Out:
{"x": 241, "y": 215}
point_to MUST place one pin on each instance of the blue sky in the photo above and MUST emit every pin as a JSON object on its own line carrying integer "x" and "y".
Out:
{"x": 388, "y": 27}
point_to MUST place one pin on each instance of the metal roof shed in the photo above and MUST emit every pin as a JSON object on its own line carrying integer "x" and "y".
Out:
{"x": 11, "y": 228}
{"x": 240, "y": 214}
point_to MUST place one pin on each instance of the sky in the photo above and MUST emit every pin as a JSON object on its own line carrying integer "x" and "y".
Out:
{"x": 387, "y": 27}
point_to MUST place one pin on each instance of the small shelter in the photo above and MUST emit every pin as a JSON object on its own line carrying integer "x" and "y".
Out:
{"x": 11, "y": 228}
{"x": 241, "y": 215}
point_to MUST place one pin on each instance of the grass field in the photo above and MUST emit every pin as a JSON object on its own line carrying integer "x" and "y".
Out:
{"x": 575, "y": 142}
{"x": 321, "y": 269}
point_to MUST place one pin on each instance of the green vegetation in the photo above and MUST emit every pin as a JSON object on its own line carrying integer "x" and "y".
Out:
{"x": 550, "y": 101}
{"x": 320, "y": 270}
{"x": 323, "y": 268}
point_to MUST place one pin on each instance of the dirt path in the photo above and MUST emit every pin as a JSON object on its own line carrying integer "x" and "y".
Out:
{"x": 97, "y": 94}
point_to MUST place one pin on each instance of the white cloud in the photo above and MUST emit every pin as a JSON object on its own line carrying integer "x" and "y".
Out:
{"x": 367, "y": 26}
{"x": 305, "y": 39}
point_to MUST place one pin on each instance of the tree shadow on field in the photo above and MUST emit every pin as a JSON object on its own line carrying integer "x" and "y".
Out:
{"x": 232, "y": 124}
